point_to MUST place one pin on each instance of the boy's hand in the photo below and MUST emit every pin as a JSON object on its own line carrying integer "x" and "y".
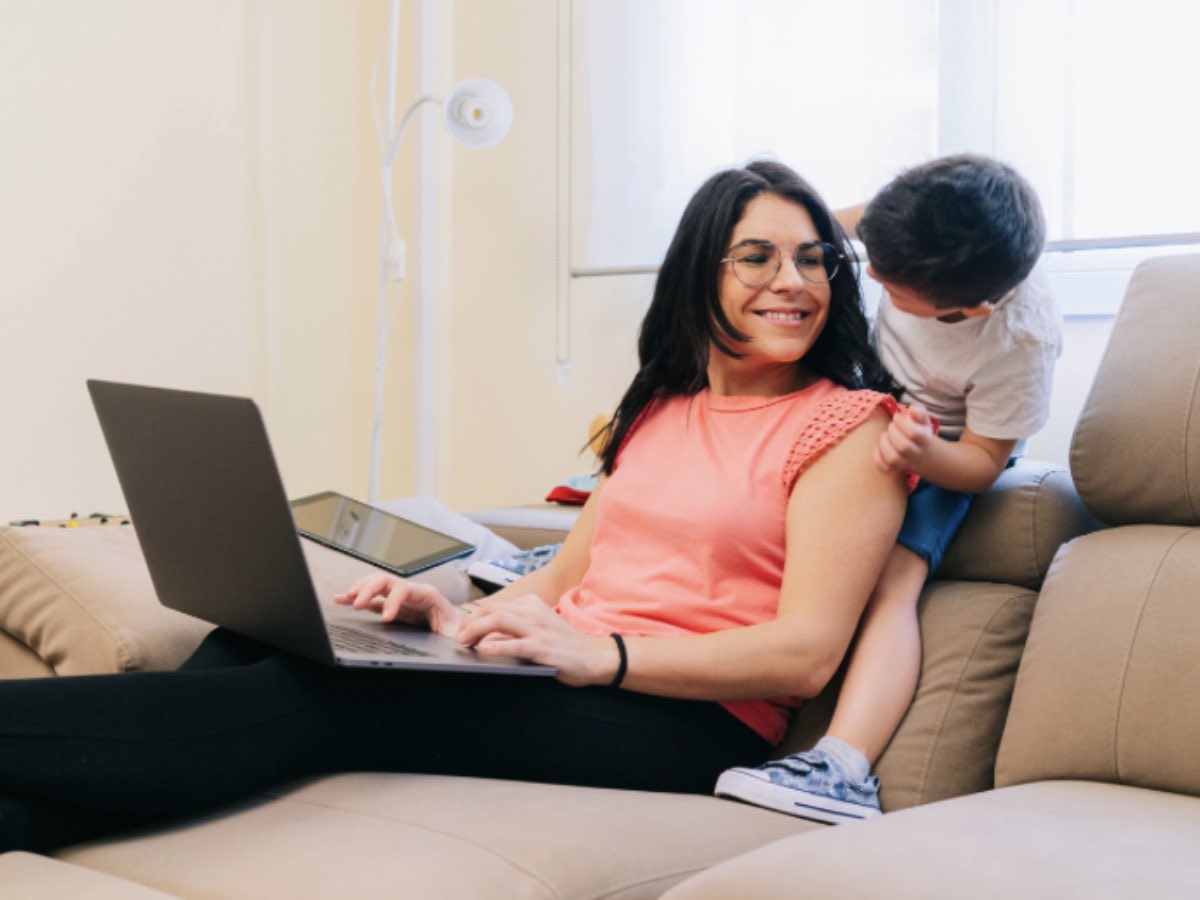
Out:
{"x": 906, "y": 443}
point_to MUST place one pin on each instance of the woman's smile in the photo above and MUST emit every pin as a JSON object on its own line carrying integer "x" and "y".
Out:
{"x": 787, "y": 318}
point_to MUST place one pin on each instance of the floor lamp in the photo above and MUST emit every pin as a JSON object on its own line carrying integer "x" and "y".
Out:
{"x": 478, "y": 113}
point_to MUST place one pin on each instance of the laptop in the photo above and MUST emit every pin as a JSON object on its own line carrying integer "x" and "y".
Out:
{"x": 219, "y": 538}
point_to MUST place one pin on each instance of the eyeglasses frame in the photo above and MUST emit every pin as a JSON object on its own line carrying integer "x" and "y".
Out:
{"x": 831, "y": 252}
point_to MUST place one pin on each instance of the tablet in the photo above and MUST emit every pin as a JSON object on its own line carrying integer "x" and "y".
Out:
{"x": 372, "y": 535}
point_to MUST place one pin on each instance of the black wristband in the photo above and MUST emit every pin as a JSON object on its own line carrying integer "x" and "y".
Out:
{"x": 623, "y": 664}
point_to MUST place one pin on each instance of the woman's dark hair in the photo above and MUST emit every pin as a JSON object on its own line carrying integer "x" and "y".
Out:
{"x": 959, "y": 230}
{"x": 685, "y": 317}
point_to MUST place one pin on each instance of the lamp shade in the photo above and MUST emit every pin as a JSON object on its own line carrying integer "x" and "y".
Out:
{"x": 478, "y": 112}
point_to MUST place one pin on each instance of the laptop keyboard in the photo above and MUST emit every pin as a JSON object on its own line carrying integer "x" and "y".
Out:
{"x": 353, "y": 641}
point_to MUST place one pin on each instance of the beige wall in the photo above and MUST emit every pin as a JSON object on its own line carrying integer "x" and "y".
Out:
{"x": 188, "y": 202}
{"x": 514, "y": 429}
{"x": 190, "y": 197}
{"x": 191, "y": 200}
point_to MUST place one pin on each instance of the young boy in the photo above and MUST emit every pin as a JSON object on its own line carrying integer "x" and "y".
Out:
{"x": 968, "y": 327}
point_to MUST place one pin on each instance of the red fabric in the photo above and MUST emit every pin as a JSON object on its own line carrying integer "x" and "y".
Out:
{"x": 567, "y": 495}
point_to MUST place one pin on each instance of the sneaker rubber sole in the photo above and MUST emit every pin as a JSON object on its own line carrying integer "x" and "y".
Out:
{"x": 751, "y": 786}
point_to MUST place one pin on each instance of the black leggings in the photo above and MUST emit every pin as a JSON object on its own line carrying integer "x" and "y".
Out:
{"x": 83, "y": 755}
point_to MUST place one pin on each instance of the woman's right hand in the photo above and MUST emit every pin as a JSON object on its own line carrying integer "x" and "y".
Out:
{"x": 397, "y": 600}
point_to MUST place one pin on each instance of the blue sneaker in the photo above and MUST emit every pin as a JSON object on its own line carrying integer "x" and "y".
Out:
{"x": 492, "y": 574}
{"x": 811, "y": 785}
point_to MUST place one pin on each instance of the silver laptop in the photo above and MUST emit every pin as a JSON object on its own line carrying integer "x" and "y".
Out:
{"x": 219, "y": 538}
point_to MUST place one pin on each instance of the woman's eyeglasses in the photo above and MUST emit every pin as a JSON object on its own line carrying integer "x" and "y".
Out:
{"x": 757, "y": 262}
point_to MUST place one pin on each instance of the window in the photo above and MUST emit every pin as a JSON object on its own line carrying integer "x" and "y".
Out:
{"x": 1093, "y": 100}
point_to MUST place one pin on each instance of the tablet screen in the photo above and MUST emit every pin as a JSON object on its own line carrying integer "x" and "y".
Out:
{"x": 373, "y": 535}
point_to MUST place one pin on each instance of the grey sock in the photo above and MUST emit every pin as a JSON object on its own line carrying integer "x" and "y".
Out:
{"x": 853, "y": 762}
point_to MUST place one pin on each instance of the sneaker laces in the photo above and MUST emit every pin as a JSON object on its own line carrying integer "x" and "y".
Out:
{"x": 809, "y": 761}
{"x": 801, "y": 763}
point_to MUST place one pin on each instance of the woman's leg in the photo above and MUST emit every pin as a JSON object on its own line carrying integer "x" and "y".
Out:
{"x": 238, "y": 718}
{"x": 150, "y": 743}
{"x": 42, "y": 827}
{"x": 534, "y": 729}
{"x": 81, "y": 757}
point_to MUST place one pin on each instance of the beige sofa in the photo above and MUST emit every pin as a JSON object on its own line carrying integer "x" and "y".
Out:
{"x": 1050, "y": 750}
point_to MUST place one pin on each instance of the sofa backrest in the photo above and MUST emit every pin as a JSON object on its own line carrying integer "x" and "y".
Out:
{"x": 1105, "y": 690}
{"x": 1135, "y": 454}
{"x": 1013, "y": 530}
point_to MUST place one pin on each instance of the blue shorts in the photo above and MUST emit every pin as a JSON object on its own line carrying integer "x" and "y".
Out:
{"x": 933, "y": 517}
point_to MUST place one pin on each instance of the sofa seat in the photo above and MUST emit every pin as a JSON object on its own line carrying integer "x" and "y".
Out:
{"x": 1053, "y": 839}
{"x": 79, "y": 601}
{"x": 376, "y": 835}
{"x": 27, "y": 876}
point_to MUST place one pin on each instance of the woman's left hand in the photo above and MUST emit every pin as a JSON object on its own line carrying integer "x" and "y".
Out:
{"x": 530, "y": 629}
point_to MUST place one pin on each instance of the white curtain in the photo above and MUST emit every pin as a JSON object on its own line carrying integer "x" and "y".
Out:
{"x": 1096, "y": 101}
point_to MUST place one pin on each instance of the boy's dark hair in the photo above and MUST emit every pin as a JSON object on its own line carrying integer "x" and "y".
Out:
{"x": 958, "y": 231}
{"x": 685, "y": 317}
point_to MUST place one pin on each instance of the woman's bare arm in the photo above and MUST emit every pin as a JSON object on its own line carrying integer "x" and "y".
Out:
{"x": 566, "y": 569}
{"x": 842, "y": 521}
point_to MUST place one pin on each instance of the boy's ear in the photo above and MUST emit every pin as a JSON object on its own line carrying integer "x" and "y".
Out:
{"x": 983, "y": 309}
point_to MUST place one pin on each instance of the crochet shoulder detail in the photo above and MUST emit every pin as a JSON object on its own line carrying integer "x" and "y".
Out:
{"x": 833, "y": 419}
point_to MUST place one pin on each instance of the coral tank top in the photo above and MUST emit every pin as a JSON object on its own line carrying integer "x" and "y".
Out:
{"x": 690, "y": 529}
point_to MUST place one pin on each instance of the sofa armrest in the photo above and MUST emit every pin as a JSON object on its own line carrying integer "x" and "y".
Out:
{"x": 81, "y": 602}
{"x": 1013, "y": 530}
{"x": 529, "y": 526}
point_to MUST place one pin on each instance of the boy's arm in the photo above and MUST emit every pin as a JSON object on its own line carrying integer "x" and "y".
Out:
{"x": 971, "y": 464}
{"x": 849, "y": 218}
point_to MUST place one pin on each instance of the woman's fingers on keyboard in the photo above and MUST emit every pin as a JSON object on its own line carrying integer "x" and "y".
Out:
{"x": 392, "y": 598}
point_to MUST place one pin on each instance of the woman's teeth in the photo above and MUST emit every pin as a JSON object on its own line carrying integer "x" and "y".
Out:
{"x": 783, "y": 316}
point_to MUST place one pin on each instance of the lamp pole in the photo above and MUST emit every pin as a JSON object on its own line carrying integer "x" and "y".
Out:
{"x": 478, "y": 113}
{"x": 385, "y": 239}
{"x": 426, "y": 355}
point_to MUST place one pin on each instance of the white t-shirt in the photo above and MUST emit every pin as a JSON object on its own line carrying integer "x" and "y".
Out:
{"x": 992, "y": 374}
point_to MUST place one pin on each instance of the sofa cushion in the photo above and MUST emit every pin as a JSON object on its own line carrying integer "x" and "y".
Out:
{"x": 29, "y": 877}
{"x": 1103, "y": 691}
{"x": 81, "y": 600}
{"x": 376, "y": 835}
{"x": 1135, "y": 453}
{"x": 1055, "y": 839}
{"x": 1013, "y": 530}
{"x": 972, "y": 635}
{"x": 18, "y": 661}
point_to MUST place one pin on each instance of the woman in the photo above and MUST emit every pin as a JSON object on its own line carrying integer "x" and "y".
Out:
{"x": 712, "y": 582}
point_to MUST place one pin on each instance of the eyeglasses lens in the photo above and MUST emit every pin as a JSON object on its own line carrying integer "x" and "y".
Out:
{"x": 757, "y": 264}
